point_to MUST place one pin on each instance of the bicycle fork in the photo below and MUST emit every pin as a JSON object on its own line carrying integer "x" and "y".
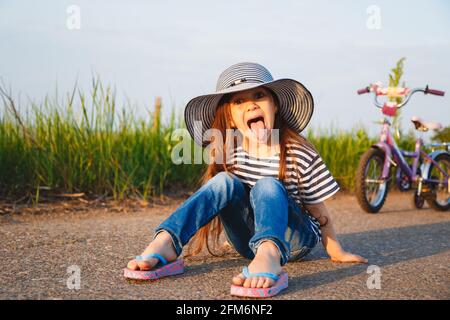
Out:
{"x": 387, "y": 161}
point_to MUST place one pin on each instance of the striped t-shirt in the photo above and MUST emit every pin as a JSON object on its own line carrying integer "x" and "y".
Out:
{"x": 307, "y": 178}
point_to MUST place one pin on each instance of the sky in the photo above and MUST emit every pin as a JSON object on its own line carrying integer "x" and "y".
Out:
{"x": 177, "y": 49}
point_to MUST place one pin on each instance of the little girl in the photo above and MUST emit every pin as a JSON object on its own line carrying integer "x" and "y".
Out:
{"x": 265, "y": 184}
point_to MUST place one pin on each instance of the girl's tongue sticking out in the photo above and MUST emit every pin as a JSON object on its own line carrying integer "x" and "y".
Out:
{"x": 258, "y": 129}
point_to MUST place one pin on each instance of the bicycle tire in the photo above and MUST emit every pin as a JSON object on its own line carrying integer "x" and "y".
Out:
{"x": 360, "y": 184}
{"x": 431, "y": 199}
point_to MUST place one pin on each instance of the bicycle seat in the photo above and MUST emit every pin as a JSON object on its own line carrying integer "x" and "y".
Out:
{"x": 425, "y": 126}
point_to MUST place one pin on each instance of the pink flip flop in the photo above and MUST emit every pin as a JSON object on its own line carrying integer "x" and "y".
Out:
{"x": 281, "y": 282}
{"x": 164, "y": 268}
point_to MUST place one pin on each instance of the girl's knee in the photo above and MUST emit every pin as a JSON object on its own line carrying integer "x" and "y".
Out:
{"x": 268, "y": 185}
{"x": 224, "y": 181}
{"x": 221, "y": 177}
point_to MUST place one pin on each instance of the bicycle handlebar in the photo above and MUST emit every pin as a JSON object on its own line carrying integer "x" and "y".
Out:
{"x": 425, "y": 90}
{"x": 364, "y": 90}
{"x": 434, "y": 91}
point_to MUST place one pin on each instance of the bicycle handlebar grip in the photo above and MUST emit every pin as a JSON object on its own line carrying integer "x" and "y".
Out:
{"x": 435, "y": 92}
{"x": 365, "y": 90}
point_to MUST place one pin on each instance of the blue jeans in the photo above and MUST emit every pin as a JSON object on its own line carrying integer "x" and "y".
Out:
{"x": 250, "y": 216}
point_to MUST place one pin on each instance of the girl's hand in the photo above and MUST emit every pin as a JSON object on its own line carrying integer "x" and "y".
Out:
{"x": 329, "y": 238}
{"x": 348, "y": 257}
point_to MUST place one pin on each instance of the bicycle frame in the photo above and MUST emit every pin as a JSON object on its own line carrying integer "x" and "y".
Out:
{"x": 395, "y": 156}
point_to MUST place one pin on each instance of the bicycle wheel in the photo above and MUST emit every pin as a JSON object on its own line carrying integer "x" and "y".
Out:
{"x": 438, "y": 196}
{"x": 370, "y": 191}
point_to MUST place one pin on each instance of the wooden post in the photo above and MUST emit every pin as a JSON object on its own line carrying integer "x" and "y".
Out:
{"x": 157, "y": 118}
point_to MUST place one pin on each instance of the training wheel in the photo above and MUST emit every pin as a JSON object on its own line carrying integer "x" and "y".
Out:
{"x": 419, "y": 201}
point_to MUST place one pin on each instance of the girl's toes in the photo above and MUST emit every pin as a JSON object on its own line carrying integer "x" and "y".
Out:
{"x": 238, "y": 280}
{"x": 247, "y": 283}
{"x": 261, "y": 282}
{"x": 254, "y": 282}
{"x": 132, "y": 265}
{"x": 268, "y": 283}
{"x": 145, "y": 265}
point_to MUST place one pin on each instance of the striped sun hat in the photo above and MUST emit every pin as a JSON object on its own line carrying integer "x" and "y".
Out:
{"x": 296, "y": 102}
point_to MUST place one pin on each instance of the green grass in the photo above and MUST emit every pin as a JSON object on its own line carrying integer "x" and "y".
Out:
{"x": 99, "y": 150}
{"x": 341, "y": 150}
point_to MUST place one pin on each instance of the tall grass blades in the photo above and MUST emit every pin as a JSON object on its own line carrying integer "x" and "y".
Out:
{"x": 341, "y": 151}
{"x": 100, "y": 152}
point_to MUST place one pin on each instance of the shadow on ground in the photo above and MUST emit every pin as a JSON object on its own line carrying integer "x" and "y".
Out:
{"x": 382, "y": 248}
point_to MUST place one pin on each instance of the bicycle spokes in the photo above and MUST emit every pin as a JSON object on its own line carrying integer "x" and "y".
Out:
{"x": 374, "y": 184}
{"x": 440, "y": 187}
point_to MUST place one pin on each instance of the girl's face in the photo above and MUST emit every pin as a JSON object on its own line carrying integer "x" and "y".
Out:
{"x": 253, "y": 113}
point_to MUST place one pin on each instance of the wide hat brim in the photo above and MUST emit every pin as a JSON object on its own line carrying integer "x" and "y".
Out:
{"x": 296, "y": 106}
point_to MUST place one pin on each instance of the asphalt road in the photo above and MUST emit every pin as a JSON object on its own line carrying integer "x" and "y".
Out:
{"x": 410, "y": 247}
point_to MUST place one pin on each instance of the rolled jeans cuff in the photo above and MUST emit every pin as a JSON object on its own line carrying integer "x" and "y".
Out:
{"x": 175, "y": 240}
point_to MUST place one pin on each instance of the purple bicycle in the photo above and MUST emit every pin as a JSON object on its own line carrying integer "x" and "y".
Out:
{"x": 428, "y": 174}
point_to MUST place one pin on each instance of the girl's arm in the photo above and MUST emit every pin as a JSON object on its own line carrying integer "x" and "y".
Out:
{"x": 329, "y": 239}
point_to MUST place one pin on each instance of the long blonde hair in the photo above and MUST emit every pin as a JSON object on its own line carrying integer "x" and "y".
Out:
{"x": 222, "y": 122}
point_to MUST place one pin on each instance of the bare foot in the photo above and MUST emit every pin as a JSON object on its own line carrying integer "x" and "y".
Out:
{"x": 163, "y": 245}
{"x": 267, "y": 259}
